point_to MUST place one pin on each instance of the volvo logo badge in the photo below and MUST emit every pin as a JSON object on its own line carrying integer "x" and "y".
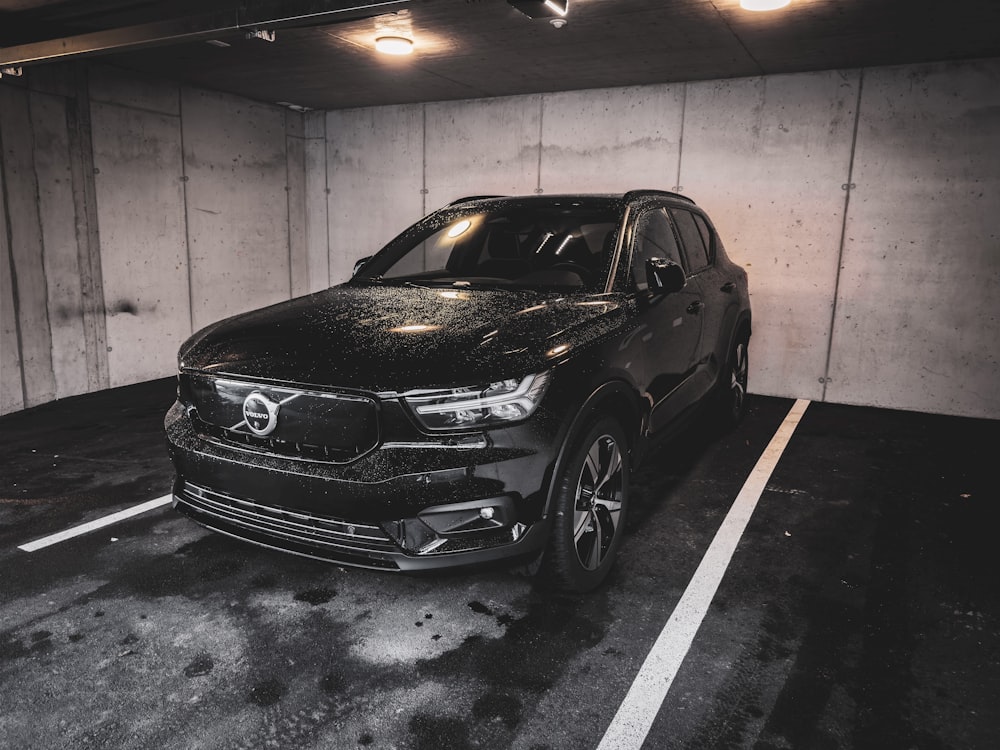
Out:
{"x": 260, "y": 413}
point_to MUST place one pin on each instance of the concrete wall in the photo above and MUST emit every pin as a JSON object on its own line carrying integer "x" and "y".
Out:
{"x": 862, "y": 203}
{"x": 134, "y": 212}
{"x": 918, "y": 311}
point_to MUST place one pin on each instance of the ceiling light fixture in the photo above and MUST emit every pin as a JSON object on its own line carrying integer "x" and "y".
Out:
{"x": 394, "y": 45}
{"x": 294, "y": 107}
{"x": 542, "y": 8}
{"x": 763, "y": 4}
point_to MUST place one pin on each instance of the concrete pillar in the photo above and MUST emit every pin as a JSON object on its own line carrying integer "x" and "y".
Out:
{"x": 25, "y": 250}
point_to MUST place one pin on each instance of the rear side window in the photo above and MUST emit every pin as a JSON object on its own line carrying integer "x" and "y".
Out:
{"x": 654, "y": 238}
{"x": 706, "y": 235}
{"x": 694, "y": 238}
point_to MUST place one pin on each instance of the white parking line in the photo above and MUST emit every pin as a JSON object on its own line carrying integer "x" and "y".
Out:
{"x": 100, "y": 523}
{"x": 636, "y": 714}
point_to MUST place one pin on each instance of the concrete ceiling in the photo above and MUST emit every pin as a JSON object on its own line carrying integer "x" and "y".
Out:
{"x": 479, "y": 48}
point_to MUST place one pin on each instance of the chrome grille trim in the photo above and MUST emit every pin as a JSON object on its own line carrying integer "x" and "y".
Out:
{"x": 297, "y": 526}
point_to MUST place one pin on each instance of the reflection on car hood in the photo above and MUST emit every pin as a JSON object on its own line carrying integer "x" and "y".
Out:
{"x": 401, "y": 337}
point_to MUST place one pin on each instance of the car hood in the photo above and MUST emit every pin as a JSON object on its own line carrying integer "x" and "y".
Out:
{"x": 401, "y": 337}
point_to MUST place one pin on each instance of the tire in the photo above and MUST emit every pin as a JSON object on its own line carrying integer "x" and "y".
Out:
{"x": 733, "y": 383}
{"x": 589, "y": 510}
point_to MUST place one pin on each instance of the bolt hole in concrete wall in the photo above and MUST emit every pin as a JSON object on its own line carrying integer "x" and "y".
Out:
{"x": 882, "y": 294}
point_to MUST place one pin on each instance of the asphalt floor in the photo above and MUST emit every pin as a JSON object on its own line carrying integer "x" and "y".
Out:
{"x": 860, "y": 609}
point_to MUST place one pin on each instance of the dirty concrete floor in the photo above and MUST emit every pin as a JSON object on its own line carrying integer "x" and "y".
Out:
{"x": 861, "y": 608}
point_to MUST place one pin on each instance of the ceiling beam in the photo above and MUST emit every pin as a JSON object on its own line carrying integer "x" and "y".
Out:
{"x": 247, "y": 16}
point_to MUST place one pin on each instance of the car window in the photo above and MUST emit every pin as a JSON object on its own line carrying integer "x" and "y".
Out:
{"x": 706, "y": 236}
{"x": 654, "y": 238}
{"x": 433, "y": 252}
{"x": 561, "y": 244}
{"x": 694, "y": 245}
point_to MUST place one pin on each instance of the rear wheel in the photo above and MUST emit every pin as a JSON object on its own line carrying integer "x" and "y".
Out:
{"x": 590, "y": 505}
{"x": 733, "y": 386}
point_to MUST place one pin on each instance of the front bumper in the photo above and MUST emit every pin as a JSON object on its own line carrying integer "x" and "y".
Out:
{"x": 422, "y": 505}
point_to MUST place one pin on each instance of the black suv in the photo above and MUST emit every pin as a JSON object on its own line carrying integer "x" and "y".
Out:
{"x": 480, "y": 390}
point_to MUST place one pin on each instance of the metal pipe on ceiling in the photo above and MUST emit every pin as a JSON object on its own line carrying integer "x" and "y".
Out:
{"x": 247, "y": 16}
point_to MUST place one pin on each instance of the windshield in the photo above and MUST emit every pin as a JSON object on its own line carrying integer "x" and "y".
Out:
{"x": 529, "y": 244}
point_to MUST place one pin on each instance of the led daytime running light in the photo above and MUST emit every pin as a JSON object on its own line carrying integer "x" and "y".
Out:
{"x": 522, "y": 396}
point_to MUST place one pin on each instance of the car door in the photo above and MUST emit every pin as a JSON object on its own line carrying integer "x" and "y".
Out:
{"x": 696, "y": 244}
{"x": 670, "y": 326}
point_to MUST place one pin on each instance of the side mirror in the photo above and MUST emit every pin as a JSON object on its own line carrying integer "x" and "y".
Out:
{"x": 664, "y": 276}
{"x": 360, "y": 264}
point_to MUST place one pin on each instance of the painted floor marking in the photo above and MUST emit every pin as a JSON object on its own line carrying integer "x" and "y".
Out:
{"x": 100, "y": 523}
{"x": 635, "y": 716}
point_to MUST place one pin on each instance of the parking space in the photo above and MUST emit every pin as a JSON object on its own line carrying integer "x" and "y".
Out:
{"x": 859, "y": 610}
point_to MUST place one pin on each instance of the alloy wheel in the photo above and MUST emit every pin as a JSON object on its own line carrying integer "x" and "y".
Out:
{"x": 598, "y": 506}
{"x": 738, "y": 378}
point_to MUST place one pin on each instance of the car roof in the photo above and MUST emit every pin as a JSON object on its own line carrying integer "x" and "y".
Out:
{"x": 585, "y": 198}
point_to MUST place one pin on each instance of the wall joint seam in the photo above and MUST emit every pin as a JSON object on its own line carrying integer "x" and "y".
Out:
{"x": 288, "y": 212}
{"x": 184, "y": 197}
{"x": 326, "y": 191}
{"x": 541, "y": 141}
{"x": 423, "y": 160}
{"x": 678, "y": 185}
{"x": 847, "y": 187}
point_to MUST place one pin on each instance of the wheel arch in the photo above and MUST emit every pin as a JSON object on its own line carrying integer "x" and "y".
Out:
{"x": 742, "y": 328}
{"x": 616, "y": 399}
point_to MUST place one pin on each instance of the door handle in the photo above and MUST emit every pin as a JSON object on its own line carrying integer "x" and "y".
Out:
{"x": 695, "y": 307}
{"x": 728, "y": 287}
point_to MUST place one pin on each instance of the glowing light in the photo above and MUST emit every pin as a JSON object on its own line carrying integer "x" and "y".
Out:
{"x": 562, "y": 9}
{"x": 763, "y": 4}
{"x": 414, "y": 328}
{"x": 449, "y": 294}
{"x": 459, "y": 229}
{"x": 530, "y": 309}
{"x": 557, "y": 350}
{"x": 562, "y": 245}
{"x": 394, "y": 45}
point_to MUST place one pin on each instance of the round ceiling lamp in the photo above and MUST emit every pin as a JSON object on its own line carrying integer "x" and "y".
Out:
{"x": 763, "y": 4}
{"x": 394, "y": 45}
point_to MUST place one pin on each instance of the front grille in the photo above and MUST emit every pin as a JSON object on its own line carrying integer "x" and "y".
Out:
{"x": 314, "y": 425}
{"x": 273, "y": 445}
{"x": 293, "y": 530}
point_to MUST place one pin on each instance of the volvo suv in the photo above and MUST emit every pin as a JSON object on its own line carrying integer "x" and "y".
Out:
{"x": 479, "y": 391}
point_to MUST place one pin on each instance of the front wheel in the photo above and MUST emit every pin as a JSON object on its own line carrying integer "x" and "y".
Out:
{"x": 589, "y": 506}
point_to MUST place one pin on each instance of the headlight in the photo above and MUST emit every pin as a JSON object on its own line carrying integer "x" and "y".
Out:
{"x": 497, "y": 403}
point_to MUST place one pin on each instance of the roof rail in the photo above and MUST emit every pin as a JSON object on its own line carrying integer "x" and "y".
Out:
{"x": 647, "y": 192}
{"x": 468, "y": 198}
